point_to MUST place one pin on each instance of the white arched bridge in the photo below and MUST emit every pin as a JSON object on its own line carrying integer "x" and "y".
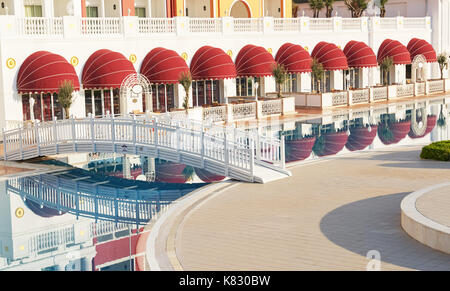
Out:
{"x": 225, "y": 151}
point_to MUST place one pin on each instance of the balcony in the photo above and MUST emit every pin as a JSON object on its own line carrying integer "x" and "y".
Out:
{"x": 130, "y": 26}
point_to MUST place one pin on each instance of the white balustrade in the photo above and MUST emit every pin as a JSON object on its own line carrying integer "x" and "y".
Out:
{"x": 51, "y": 239}
{"x": 244, "y": 111}
{"x": 271, "y": 107}
{"x": 435, "y": 86}
{"x": 55, "y": 27}
{"x": 248, "y": 25}
{"x": 140, "y": 136}
{"x": 205, "y": 25}
{"x": 380, "y": 93}
{"x": 40, "y": 26}
{"x": 339, "y": 98}
{"x": 420, "y": 88}
{"x": 101, "y": 26}
{"x": 215, "y": 114}
{"x": 156, "y": 25}
{"x": 388, "y": 23}
{"x": 360, "y": 96}
{"x": 414, "y": 23}
{"x": 321, "y": 24}
{"x": 287, "y": 24}
{"x": 406, "y": 90}
{"x": 353, "y": 24}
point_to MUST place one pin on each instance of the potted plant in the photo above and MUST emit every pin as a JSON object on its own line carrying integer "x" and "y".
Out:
{"x": 280, "y": 75}
{"x": 65, "y": 97}
{"x": 385, "y": 66}
{"x": 317, "y": 72}
{"x": 443, "y": 63}
{"x": 185, "y": 80}
{"x": 383, "y": 8}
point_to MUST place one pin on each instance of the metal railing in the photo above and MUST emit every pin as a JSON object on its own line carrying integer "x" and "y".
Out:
{"x": 176, "y": 141}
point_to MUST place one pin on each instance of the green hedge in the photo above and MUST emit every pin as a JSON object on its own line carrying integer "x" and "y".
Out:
{"x": 439, "y": 151}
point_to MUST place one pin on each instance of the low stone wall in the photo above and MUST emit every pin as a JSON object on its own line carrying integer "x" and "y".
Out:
{"x": 422, "y": 228}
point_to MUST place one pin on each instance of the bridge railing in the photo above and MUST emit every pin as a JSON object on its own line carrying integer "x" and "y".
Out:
{"x": 236, "y": 148}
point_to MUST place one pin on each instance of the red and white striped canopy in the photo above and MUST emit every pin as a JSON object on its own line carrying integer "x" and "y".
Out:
{"x": 43, "y": 72}
{"x": 396, "y": 50}
{"x": 360, "y": 55}
{"x": 254, "y": 61}
{"x": 422, "y": 47}
{"x": 163, "y": 66}
{"x": 210, "y": 63}
{"x": 106, "y": 69}
{"x": 294, "y": 58}
{"x": 330, "y": 56}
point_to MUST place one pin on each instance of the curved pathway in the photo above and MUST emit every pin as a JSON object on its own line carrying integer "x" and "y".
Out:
{"x": 327, "y": 216}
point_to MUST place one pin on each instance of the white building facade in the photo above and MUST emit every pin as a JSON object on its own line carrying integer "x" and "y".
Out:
{"x": 61, "y": 30}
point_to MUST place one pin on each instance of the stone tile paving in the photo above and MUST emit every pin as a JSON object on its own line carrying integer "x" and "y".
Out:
{"x": 327, "y": 216}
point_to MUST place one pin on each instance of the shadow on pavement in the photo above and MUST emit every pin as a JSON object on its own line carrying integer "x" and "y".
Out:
{"x": 374, "y": 224}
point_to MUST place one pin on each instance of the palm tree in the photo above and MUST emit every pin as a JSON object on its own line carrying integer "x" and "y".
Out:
{"x": 317, "y": 72}
{"x": 280, "y": 75}
{"x": 357, "y": 7}
{"x": 316, "y": 6}
{"x": 383, "y": 7}
{"x": 185, "y": 80}
{"x": 329, "y": 7}
{"x": 385, "y": 67}
{"x": 443, "y": 63}
{"x": 65, "y": 98}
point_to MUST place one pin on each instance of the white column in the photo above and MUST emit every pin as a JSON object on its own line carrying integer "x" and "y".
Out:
{"x": 48, "y": 10}
{"x": 102, "y": 11}
{"x": 77, "y": 10}
{"x": 149, "y": 8}
{"x": 19, "y": 9}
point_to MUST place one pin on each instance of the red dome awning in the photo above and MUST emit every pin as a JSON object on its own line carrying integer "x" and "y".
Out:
{"x": 44, "y": 211}
{"x": 294, "y": 58}
{"x": 210, "y": 63}
{"x": 207, "y": 176}
{"x": 299, "y": 150}
{"x": 254, "y": 61}
{"x": 163, "y": 66}
{"x": 330, "y": 56}
{"x": 396, "y": 50}
{"x": 431, "y": 123}
{"x": 169, "y": 172}
{"x": 106, "y": 69}
{"x": 334, "y": 142}
{"x": 360, "y": 55}
{"x": 361, "y": 137}
{"x": 422, "y": 47}
{"x": 43, "y": 72}
{"x": 399, "y": 131}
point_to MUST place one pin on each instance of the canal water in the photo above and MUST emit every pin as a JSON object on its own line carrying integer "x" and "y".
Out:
{"x": 92, "y": 213}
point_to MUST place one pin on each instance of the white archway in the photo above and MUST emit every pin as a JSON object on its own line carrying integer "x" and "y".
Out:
{"x": 418, "y": 69}
{"x": 240, "y": 9}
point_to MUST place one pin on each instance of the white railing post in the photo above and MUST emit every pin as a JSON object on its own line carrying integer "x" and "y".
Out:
{"x": 113, "y": 134}
{"x": 5, "y": 150}
{"x": 337, "y": 23}
{"x": 21, "y": 143}
{"x": 134, "y": 133}
{"x": 55, "y": 134}
{"x": 252, "y": 158}
{"x": 304, "y": 24}
{"x": 74, "y": 135}
{"x": 225, "y": 148}
{"x": 202, "y": 150}
{"x": 283, "y": 153}
{"x": 258, "y": 146}
{"x": 268, "y": 24}
{"x": 38, "y": 142}
{"x": 181, "y": 25}
{"x": 92, "y": 126}
{"x": 400, "y": 22}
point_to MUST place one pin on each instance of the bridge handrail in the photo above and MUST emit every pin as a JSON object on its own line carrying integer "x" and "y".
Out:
{"x": 230, "y": 147}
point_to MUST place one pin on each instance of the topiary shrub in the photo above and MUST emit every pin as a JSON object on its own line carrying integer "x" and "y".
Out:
{"x": 439, "y": 151}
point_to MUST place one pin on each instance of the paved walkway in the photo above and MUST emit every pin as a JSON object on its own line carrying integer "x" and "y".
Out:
{"x": 327, "y": 216}
{"x": 435, "y": 205}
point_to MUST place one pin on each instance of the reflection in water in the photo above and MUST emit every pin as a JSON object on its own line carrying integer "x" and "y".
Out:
{"x": 369, "y": 129}
{"x": 90, "y": 218}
